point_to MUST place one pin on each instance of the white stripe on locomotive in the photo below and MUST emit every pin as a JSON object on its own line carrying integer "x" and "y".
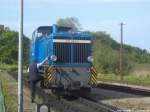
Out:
{"x": 71, "y": 41}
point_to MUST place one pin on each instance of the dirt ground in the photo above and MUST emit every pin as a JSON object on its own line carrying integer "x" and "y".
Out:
{"x": 28, "y": 106}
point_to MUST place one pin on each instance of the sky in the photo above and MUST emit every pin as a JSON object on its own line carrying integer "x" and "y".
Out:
{"x": 94, "y": 15}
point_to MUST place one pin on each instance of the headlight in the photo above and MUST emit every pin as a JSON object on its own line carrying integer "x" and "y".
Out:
{"x": 54, "y": 58}
{"x": 90, "y": 59}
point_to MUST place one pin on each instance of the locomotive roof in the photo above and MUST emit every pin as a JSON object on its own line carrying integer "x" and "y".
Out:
{"x": 50, "y": 28}
{"x": 62, "y": 32}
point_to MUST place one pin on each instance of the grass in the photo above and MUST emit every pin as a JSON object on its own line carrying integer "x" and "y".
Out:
{"x": 10, "y": 99}
{"x": 6, "y": 67}
{"x": 131, "y": 78}
{"x": 140, "y": 75}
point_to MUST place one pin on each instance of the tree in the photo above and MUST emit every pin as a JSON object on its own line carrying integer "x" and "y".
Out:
{"x": 69, "y": 22}
{"x": 106, "y": 54}
{"x": 9, "y": 47}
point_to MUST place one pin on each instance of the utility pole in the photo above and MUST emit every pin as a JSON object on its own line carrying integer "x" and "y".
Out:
{"x": 121, "y": 51}
{"x": 20, "y": 57}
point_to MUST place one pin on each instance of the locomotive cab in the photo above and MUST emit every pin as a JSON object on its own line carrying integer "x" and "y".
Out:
{"x": 69, "y": 69}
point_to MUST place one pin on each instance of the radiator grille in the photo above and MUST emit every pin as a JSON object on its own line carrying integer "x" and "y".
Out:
{"x": 72, "y": 52}
{"x": 80, "y": 53}
{"x": 63, "y": 52}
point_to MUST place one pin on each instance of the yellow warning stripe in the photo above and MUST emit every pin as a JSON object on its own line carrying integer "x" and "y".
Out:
{"x": 49, "y": 79}
{"x": 49, "y": 76}
{"x": 94, "y": 73}
{"x": 93, "y": 76}
{"x": 93, "y": 70}
{"x": 93, "y": 79}
{"x": 93, "y": 82}
{"x": 49, "y": 70}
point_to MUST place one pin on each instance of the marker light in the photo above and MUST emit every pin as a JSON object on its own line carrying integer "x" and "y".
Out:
{"x": 90, "y": 59}
{"x": 54, "y": 58}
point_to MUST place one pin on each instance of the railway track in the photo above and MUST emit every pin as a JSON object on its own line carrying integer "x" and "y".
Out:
{"x": 82, "y": 104}
{"x": 131, "y": 89}
{"x": 98, "y": 107}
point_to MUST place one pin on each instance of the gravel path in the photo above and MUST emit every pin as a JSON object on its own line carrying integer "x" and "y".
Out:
{"x": 122, "y": 100}
{"x": 13, "y": 88}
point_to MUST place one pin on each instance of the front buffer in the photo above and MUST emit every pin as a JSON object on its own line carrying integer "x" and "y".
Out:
{"x": 70, "y": 81}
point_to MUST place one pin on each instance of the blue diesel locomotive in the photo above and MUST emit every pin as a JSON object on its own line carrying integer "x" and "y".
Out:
{"x": 69, "y": 69}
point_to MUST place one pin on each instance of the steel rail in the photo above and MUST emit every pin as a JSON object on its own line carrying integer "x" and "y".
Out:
{"x": 125, "y": 88}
